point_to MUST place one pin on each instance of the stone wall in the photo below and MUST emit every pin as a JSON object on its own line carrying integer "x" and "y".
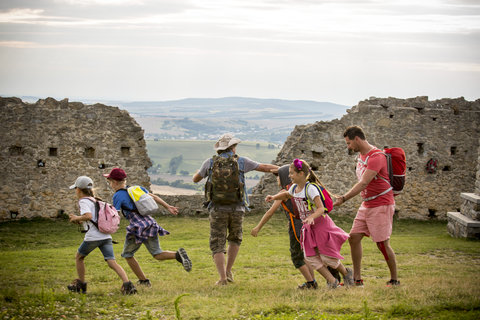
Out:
{"x": 46, "y": 145}
{"x": 446, "y": 130}
{"x": 477, "y": 183}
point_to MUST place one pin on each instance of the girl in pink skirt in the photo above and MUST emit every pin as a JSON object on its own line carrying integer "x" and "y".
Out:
{"x": 321, "y": 239}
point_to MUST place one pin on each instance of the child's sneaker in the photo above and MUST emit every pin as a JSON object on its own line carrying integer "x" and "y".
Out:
{"x": 145, "y": 283}
{"x": 348, "y": 278}
{"x": 128, "y": 288}
{"x": 333, "y": 285}
{"x": 359, "y": 283}
{"x": 393, "y": 283}
{"x": 186, "y": 262}
{"x": 78, "y": 286}
{"x": 308, "y": 285}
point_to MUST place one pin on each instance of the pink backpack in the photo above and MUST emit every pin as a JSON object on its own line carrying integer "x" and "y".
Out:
{"x": 108, "y": 219}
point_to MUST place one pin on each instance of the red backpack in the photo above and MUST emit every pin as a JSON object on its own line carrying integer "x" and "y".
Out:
{"x": 397, "y": 167}
{"x": 108, "y": 219}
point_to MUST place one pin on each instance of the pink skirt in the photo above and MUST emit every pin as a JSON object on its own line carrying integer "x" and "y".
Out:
{"x": 325, "y": 236}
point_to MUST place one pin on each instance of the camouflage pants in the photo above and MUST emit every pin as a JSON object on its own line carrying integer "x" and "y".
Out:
{"x": 220, "y": 223}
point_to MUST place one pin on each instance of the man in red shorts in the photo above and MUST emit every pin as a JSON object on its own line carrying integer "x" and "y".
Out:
{"x": 375, "y": 216}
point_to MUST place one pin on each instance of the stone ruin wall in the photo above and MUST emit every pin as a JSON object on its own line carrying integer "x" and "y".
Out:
{"x": 74, "y": 139}
{"x": 70, "y": 139}
{"x": 477, "y": 183}
{"x": 446, "y": 130}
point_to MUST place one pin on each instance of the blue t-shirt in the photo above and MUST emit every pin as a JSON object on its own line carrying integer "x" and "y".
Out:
{"x": 122, "y": 201}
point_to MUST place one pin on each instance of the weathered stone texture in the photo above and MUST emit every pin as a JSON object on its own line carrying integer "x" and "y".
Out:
{"x": 446, "y": 130}
{"x": 70, "y": 139}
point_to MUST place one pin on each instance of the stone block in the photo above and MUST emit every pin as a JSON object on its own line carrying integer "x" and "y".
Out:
{"x": 460, "y": 226}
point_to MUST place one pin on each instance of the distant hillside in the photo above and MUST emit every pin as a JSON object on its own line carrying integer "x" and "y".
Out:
{"x": 269, "y": 120}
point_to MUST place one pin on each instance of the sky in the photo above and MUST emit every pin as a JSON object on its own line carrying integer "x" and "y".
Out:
{"x": 340, "y": 51}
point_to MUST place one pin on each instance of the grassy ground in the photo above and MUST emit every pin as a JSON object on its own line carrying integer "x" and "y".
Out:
{"x": 439, "y": 277}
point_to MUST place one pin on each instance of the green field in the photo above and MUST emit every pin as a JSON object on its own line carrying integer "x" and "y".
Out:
{"x": 439, "y": 276}
{"x": 195, "y": 152}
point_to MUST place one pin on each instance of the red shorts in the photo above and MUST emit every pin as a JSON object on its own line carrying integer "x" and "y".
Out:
{"x": 374, "y": 222}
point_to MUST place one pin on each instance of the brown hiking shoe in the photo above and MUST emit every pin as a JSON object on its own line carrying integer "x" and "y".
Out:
{"x": 78, "y": 286}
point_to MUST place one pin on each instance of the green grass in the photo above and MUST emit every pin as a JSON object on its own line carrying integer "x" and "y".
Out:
{"x": 439, "y": 276}
{"x": 195, "y": 152}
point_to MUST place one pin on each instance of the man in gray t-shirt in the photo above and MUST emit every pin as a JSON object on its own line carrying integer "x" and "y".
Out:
{"x": 229, "y": 218}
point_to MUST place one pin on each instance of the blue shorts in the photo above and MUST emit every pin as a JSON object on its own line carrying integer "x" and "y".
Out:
{"x": 104, "y": 245}
{"x": 130, "y": 247}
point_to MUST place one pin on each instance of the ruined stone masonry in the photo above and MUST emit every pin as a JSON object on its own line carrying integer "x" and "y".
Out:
{"x": 466, "y": 223}
{"x": 445, "y": 130}
{"x": 45, "y": 146}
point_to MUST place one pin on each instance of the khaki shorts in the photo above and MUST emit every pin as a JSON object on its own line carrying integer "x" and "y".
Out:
{"x": 319, "y": 260}
{"x": 374, "y": 222}
{"x": 222, "y": 222}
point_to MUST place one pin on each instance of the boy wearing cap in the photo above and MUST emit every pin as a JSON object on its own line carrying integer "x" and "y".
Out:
{"x": 93, "y": 238}
{"x": 229, "y": 218}
{"x": 142, "y": 229}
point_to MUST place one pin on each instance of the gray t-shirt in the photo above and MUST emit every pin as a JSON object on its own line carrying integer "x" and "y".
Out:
{"x": 249, "y": 165}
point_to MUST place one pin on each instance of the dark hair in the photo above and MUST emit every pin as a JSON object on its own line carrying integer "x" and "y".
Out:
{"x": 354, "y": 131}
{"x": 309, "y": 174}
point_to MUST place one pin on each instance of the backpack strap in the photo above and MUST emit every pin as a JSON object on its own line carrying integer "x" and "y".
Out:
{"x": 291, "y": 215}
{"x": 241, "y": 169}
{"x": 389, "y": 164}
{"x": 97, "y": 208}
{"x": 310, "y": 202}
{"x": 122, "y": 207}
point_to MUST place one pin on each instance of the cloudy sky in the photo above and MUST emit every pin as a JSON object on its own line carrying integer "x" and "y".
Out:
{"x": 341, "y": 51}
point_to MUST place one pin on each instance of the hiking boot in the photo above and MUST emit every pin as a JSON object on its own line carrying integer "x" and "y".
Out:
{"x": 128, "y": 288}
{"x": 348, "y": 278}
{"x": 308, "y": 285}
{"x": 78, "y": 286}
{"x": 359, "y": 283}
{"x": 186, "y": 262}
{"x": 393, "y": 283}
{"x": 145, "y": 283}
{"x": 333, "y": 285}
{"x": 230, "y": 277}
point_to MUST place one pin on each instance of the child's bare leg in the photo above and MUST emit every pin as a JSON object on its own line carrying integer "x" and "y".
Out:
{"x": 80, "y": 264}
{"x": 118, "y": 269}
{"x": 307, "y": 272}
{"x": 165, "y": 255}
{"x": 341, "y": 268}
{"x": 132, "y": 262}
{"x": 326, "y": 274}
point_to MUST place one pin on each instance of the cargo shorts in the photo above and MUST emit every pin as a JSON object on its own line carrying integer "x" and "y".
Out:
{"x": 221, "y": 222}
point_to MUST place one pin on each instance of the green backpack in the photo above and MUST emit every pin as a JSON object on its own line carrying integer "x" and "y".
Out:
{"x": 225, "y": 183}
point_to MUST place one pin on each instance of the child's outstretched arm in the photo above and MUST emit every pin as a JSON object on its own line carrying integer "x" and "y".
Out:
{"x": 266, "y": 217}
{"x": 282, "y": 195}
{"x": 318, "y": 211}
{"x": 173, "y": 210}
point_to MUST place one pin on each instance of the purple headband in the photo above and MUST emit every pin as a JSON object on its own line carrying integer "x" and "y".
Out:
{"x": 298, "y": 164}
